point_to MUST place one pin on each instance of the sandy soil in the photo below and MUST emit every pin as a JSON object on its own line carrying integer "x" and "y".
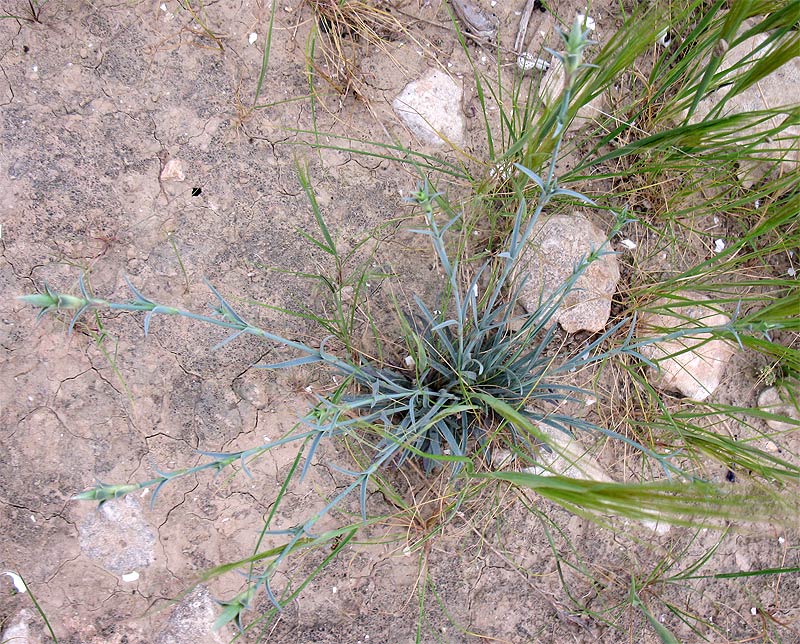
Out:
{"x": 94, "y": 103}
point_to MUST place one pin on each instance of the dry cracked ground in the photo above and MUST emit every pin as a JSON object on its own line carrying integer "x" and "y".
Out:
{"x": 127, "y": 148}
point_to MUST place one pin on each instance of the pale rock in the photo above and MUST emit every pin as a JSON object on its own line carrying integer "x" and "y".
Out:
{"x": 431, "y": 108}
{"x": 502, "y": 458}
{"x": 567, "y": 457}
{"x": 780, "y": 88}
{"x": 17, "y": 630}
{"x": 557, "y": 245}
{"x": 587, "y": 22}
{"x": 659, "y": 527}
{"x": 783, "y": 400}
{"x": 192, "y": 620}
{"x": 173, "y": 171}
{"x": 250, "y": 388}
{"x": 692, "y": 365}
{"x": 117, "y": 536}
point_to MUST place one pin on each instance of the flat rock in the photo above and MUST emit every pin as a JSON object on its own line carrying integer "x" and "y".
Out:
{"x": 192, "y": 620}
{"x": 431, "y": 108}
{"x": 118, "y": 537}
{"x": 568, "y": 457}
{"x": 556, "y": 247}
{"x": 173, "y": 171}
{"x": 782, "y": 400}
{"x": 693, "y": 365}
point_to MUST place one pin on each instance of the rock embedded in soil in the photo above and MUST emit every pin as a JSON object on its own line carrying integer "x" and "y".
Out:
{"x": 782, "y": 400}
{"x": 557, "y": 245}
{"x": 567, "y": 457}
{"x": 192, "y": 620}
{"x": 173, "y": 171}
{"x": 118, "y": 537}
{"x": 692, "y": 365}
{"x": 431, "y": 108}
{"x": 17, "y": 630}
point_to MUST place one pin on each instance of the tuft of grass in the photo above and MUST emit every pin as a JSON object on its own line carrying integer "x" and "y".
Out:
{"x": 343, "y": 31}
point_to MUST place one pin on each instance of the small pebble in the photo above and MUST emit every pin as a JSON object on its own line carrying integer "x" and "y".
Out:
{"x": 19, "y": 585}
{"x": 173, "y": 171}
{"x": 527, "y": 61}
{"x": 587, "y": 22}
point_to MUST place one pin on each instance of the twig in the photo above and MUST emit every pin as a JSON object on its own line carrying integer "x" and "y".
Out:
{"x": 527, "y": 12}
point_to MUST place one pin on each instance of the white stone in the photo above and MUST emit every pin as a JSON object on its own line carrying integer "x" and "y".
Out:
{"x": 17, "y": 630}
{"x": 19, "y": 585}
{"x": 692, "y": 365}
{"x": 556, "y": 247}
{"x": 659, "y": 527}
{"x": 192, "y": 620}
{"x": 587, "y": 22}
{"x": 117, "y": 536}
{"x": 783, "y": 400}
{"x": 568, "y": 457}
{"x": 173, "y": 171}
{"x": 431, "y": 108}
{"x": 502, "y": 458}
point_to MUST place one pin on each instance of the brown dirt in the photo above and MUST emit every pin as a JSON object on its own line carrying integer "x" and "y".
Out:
{"x": 94, "y": 101}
